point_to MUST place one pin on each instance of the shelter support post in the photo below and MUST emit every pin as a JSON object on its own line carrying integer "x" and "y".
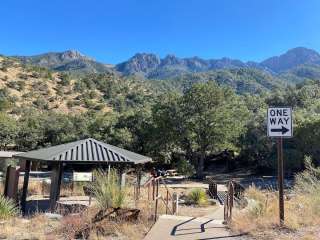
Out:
{"x": 122, "y": 176}
{"x": 157, "y": 198}
{"x": 138, "y": 172}
{"x": 56, "y": 176}
{"x": 25, "y": 186}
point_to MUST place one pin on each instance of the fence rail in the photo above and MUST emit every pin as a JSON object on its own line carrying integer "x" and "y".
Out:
{"x": 153, "y": 195}
{"x": 235, "y": 192}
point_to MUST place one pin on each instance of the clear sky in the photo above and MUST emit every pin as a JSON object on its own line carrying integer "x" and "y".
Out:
{"x": 113, "y": 31}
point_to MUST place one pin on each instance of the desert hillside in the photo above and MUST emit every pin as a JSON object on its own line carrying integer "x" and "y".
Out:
{"x": 27, "y": 86}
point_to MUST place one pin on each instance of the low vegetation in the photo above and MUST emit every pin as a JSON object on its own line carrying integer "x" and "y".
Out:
{"x": 198, "y": 196}
{"x": 186, "y": 129}
{"x": 7, "y": 208}
{"x": 302, "y": 213}
{"x": 107, "y": 190}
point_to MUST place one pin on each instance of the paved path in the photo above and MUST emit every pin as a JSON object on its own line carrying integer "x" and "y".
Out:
{"x": 189, "y": 228}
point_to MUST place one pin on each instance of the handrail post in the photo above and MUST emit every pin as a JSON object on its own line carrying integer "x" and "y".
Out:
{"x": 228, "y": 204}
{"x": 177, "y": 203}
{"x": 153, "y": 189}
{"x": 156, "y": 207}
{"x": 167, "y": 201}
{"x": 174, "y": 196}
{"x": 231, "y": 200}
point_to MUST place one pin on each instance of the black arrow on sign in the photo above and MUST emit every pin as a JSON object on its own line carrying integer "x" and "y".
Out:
{"x": 283, "y": 130}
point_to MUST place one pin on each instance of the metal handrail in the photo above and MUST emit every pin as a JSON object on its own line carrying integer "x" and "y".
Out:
{"x": 155, "y": 181}
{"x": 228, "y": 203}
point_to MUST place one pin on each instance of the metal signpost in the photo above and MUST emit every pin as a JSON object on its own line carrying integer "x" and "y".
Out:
{"x": 280, "y": 126}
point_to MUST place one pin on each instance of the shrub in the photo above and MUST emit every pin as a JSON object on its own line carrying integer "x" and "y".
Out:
{"x": 98, "y": 107}
{"x": 7, "y": 208}
{"x": 301, "y": 208}
{"x": 65, "y": 79}
{"x": 41, "y": 103}
{"x": 4, "y": 69}
{"x": 198, "y": 196}
{"x": 308, "y": 181}
{"x": 307, "y": 184}
{"x": 255, "y": 194}
{"x": 107, "y": 191}
{"x": 184, "y": 167}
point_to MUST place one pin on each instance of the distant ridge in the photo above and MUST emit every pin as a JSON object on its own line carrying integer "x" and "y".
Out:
{"x": 294, "y": 66}
{"x": 149, "y": 65}
{"x": 291, "y": 59}
{"x": 70, "y": 60}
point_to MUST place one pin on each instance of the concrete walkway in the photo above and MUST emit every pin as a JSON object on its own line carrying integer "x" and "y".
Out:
{"x": 191, "y": 228}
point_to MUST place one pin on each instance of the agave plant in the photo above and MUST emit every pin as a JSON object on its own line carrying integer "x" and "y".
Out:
{"x": 7, "y": 208}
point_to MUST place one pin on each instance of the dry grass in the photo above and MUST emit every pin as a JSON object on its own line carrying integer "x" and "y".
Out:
{"x": 37, "y": 227}
{"x": 43, "y": 188}
{"x": 40, "y": 227}
{"x": 261, "y": 217}
{"x": 72, "y": 225}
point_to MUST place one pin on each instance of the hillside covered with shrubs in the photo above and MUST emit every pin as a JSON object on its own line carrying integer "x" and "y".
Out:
{"x": 184, "y": 127}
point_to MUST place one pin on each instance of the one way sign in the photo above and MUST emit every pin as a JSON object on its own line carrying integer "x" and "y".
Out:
{"x": 280, "y": 122}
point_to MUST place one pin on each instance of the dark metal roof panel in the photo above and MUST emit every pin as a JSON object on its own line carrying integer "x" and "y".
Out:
{"x": 87, "y": 150}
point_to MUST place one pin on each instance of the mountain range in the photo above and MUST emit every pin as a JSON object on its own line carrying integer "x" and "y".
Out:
{"x": 70, "y": 60}
{"x": 72, "y": 82}
{"x": 151, "y": 66}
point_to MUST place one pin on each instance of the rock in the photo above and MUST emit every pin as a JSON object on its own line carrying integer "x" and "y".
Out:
{"x": 53, "y": 216}
{"x": 25, "y": 221}
{"x": 3, "y": 236}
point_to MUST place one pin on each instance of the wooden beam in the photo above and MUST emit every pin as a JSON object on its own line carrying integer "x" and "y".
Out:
{"x": 25, "y": 187}
{"x": 7, "y": 181}
{"x": 122, "y": 176}
{"x": 138, "y": 172}
{"x": 56, "y": 176}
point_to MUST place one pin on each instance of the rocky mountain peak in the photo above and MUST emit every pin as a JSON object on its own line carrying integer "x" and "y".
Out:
{"x": 73, "y": 55}
{"x": 171, "y": 59}
{"x": 139, "y": 63}
{"x": 291, "y": 59}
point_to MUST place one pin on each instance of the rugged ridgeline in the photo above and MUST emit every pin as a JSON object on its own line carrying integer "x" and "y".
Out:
{"x": 151, "y": 66}
{"x": 29, "y": 86}
{"x": 70, "y": 60}
{"x": 294, "y": 66}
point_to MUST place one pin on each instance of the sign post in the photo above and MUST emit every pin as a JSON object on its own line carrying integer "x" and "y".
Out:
{"x": 280, "y": 126}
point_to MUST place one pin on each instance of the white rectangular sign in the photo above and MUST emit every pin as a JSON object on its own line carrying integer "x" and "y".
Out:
{"x": 280, "y": 122}
{"x": 82, "y": 176}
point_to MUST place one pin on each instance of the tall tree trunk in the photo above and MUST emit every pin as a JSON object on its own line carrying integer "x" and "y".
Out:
{"x": 201, "y": 165}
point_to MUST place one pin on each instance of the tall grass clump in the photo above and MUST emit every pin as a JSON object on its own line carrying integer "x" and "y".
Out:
{"x": 107, "y": 191}
{"x": 7, "y": 208}
{"x": 198, "y": 196}
{"x": 308, "y": 181}
{"x": 307, "y": 190}
{"x": 302, "y": 206}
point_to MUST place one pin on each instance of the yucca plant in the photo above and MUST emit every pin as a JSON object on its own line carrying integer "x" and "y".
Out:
{"x": 7, "y": 208}
{"x": 107, "y": 191}
{"x": 198, "y": 196}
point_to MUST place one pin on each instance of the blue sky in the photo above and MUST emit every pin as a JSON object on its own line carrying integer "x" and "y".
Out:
{"x": 112, "y": 31}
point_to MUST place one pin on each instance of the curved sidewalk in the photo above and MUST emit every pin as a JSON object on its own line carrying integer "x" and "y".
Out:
{"x": 189, "y": 228}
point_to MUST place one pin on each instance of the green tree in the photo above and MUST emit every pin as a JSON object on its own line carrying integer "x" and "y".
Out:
{"x": 214, "y": 118}
{"x": 167, "y": 130}
{"x": 8, "y": 131}
{"x": 31, "y": 131}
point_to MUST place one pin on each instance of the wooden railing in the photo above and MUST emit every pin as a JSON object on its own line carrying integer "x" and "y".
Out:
{"x": 228, "y": 203}
{"x": 213, "y": 189}
{"x": 234, "y": 192}
{"x": 153, "y": 195}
